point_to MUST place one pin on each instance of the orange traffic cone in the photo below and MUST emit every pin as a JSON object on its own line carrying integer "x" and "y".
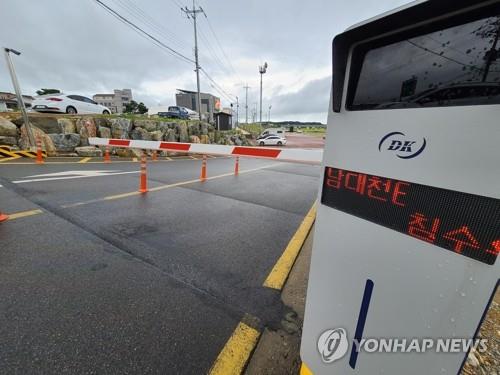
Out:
{"x": 107, "y": 158}
{"x": 237, "y": 165}
{"x": 3, "y": 217}
{"x": 203, "y": 175}
{"x": 154, "y": 156}
{"x": 39, "y": 156}
{"x": 143, "y": 186}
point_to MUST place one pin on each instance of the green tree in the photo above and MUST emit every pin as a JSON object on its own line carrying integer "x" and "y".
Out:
{"x": 134, "y": 107}
{"x": 131, "y": 107}
{"x": 141, "y": 108}
{"x": 48, "y": 91}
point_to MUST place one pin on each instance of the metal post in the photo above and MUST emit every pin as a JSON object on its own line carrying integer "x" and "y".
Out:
{"x": 17, "y": 89}
{"x": 237, "y": 111}
{"x": 260, "y": 117}
{"x": 262, "y": 70}
{"x": 269, "y": 114}
{"x": 246, "y": 103}
{"x": 193, "y": 13}
{"x": 196, "y": 60}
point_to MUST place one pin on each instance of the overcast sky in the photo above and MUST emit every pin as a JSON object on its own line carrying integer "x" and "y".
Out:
{"x": 78, "y": 47}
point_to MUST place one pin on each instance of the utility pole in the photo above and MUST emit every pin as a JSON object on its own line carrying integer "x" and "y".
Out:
{"x": 17, "y": 89}
{"x": 262, "y": 70}
{"x": 269, "y": 114}
{"x": 246, "y": 102}
{"x": 237, "y": 111}
{"x": 191, "y": 13}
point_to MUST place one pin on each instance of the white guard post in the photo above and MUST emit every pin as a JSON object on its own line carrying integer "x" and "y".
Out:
{"x": 408, "y": 229}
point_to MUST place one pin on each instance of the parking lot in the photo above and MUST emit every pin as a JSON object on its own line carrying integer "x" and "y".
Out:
{"x": 97, "y": 277}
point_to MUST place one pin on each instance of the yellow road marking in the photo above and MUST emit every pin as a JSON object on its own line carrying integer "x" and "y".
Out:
{"x": 84, "y": 160}
{"x": 304, "y": 370}
{"x": 11, "y": 158}
{"x": 278, "y": 275}
{"x": 236, "y": 352}
{"x": 118, "y": 196}
{"x": 161, "y": 187}
{"x": 18, "y": 215}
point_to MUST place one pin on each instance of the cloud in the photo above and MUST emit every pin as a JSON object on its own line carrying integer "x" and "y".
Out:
{"x": 76, "y": 46}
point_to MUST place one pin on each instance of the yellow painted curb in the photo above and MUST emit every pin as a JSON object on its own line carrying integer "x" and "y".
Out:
{"x": 278, "y": 275}
{"x": 235, "y": 354}
{"x": 304, "y": 370}
{"x": 84, "y": 160}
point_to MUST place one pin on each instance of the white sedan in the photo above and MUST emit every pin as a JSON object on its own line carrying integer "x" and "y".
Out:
{"x": 71, "y": 104}
{"x": 272, "y": 140}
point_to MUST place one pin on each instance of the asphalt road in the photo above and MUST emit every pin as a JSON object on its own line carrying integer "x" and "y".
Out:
{"x": 104, "y": 280}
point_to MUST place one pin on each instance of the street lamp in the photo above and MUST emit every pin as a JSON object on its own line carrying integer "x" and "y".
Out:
{"x": 262, "y": 71}
{"x": 17, "y": 89}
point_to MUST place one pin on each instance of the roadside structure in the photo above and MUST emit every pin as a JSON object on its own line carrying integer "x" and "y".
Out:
{"x": 116, "y": 102}
{"x": 210, "y": 104}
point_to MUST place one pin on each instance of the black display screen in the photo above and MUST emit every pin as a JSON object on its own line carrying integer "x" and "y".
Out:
{"x": 464, "y": 223}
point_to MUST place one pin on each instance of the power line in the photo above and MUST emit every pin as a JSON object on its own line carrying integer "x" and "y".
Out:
{"x": 217, "y": 87}
{"x": 146, "y": 19}
{"x": 215, "y": 58}
{"x": 140, "y": 30}
{"x": 220, "y": 46}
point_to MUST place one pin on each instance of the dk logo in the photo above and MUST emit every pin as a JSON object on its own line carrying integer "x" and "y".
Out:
{"x": 404, "y": 148}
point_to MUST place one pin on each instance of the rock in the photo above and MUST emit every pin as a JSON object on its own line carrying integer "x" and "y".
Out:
{"x": 204, "y": 139}
{"x": 7, "y": 128}
{"x": 140, "y": 134}
{"x": 157, "y": 135}
{"x": 8, "y": 141}
{"x": 47, "y": 143}
{"x": 65, "y": 142}
{"x": 149, "y": 125}
{"x": 164, "y": 126}
{"x": 67, "y": 125}
{"x": 120, "y": 127}
{"x": 88, "y": 151}
{"x": 104, "y": 132}
{"x": 124, "y": 152}
{"x": 472, "y": 360}
{"x": 237, "y": 141}
{"x": 194, "y": 139}
{"x": 171, "y": 136}
{"x": 102, "y": 121}
{"x": 289, "y": 327}
{"x": 194, "y": 129}
{"x": 182, "y": 130}
{"x": 86, "y": 127}
{"x": 49, "y": 125}
{"x": 204, "y": 128}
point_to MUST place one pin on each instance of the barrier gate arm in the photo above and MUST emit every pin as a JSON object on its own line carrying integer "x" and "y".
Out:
{"x": 296, "y": 155}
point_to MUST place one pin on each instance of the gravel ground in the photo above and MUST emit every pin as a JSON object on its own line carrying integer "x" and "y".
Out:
{"x": 487, "y": 363}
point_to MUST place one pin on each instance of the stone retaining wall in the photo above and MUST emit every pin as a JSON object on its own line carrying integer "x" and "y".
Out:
{"x": 68, "y": 135}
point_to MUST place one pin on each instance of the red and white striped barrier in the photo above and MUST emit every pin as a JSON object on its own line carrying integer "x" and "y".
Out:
{"x": 296, "y": 155}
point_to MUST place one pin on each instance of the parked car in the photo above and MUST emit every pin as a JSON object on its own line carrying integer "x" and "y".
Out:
{"x": 264, "y": 136}
{"x": 193, "y": 115}
{"x": 175, "y": 112}
{"x": 272, "y": 140}
{"x": 71, "y": 104}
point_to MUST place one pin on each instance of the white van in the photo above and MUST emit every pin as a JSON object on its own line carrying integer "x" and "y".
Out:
{"x": 275, "y": 131}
